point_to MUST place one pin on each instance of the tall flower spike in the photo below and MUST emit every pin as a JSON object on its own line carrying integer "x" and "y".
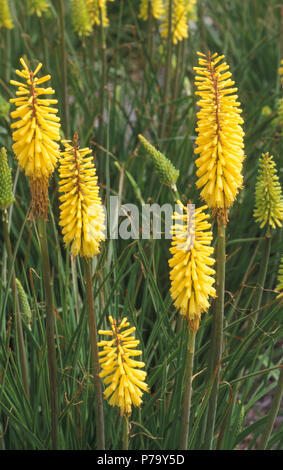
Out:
{"x": 156, "y": 6}
{"x": 80, "y": 17}
{"x": 36, "y": 133}
{"x": 268, "y": 194}
{"x": 81, "y": 211}
{"x": 121, "y": 373}
{"x": 5, "y": 15}
{"x": 6, "y": 192}
{"x": 179, "y": 22}
{"x": 191, "y": 274}
{"x": 38, "y": 7}
{"x": 279, "y": 286}
{"x": 220, "y": 135}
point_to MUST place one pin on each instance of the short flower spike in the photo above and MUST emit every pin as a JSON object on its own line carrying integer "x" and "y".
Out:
{"x": 156, "y": 6}
{"x": 191, "y": 273}
{"x": 38, "y": 7}
{"x": 219, "y": 143}
{"x": 179, "y": 23}
{"x": 97, "y": 10}
{"x": 80, "y": 17}
{"x": 268, "y": 194}
{"x": 5, "y": 15}
{"x": 81, "y": 210}
{"x": 122, "y": 375}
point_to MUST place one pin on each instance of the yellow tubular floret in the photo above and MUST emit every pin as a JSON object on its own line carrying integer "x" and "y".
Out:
{"x": 156, "y": 6}
{"x": 81, "y": 210}
{"x": 125, "y": 382}
{"x": 219, "y": 143}
{"x": 191, "y": 273}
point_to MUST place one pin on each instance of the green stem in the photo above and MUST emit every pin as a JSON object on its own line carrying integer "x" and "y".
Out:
{"x": 50, "y": 330}
{"x": 102, "y": 87}
{"x": 185, "y": 423}
{"x": 217, "y": 334}
{"x": 167, "y": 72}
{"x": 99, "y": 416}
{"x": 273, "y": 412}
{"x": 125, "y": 433}
{"x": 19, "y": 327}
{"x": 64, "y": 71}
{"x": 260, "y": 283}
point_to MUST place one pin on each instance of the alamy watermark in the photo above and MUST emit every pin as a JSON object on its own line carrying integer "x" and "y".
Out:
{"x": 150, "y": 221}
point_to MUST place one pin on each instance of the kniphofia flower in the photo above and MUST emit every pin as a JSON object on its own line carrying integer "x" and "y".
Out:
{"x": 81, "y": 210}
{"x": 122, "y": 375}
{"x": 5, "y": 15}
{"x": 219, "y": 143}
{"x": 156, "y": 6}
{"x": 80, "y": 17}
{"x": 279, "y": 286}
{"x": 36, "y": 132}
{"x": 97, "y": 10}
{"x": 179, "y": 21}
{"x": 38, "y": 7}
{"x": 191, "y": 273}
{"x": 281, "y": 71}
{"x": 268, "y": 194}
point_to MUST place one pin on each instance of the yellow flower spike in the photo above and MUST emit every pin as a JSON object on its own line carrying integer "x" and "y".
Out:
{"x": 80, "y": 17}
{"x": 125, "y": 380}
{"x": 191, "y": 272}
{"x": 156, "y": 6}
{"x": 219, "y": 143}
{"x": 5, "y": 15}
{"x": 38, "y": 7}
{"x": 35, "y": 133}
{"x": 179, "y": 22}
{"x": 268, "y": 194}
{"x": 81, "y": 210}
{"x": 279, "y": 286}
{"x": 94, "y": 7}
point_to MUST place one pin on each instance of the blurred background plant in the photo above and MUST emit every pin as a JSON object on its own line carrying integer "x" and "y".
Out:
{"x": 117, "y": 75}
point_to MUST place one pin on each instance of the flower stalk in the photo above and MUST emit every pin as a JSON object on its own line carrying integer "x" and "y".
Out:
{"x": 185, "y": 423}
{"x": 99, "y": 414}
{"x": 50, "y": 330}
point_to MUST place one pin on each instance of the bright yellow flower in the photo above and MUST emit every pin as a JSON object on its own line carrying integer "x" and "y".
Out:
{"x": 80, "y": 17}
{"x": 156, "y": 6}
{"x": 95, "y": 8}
{"x": 279, "y": 286}
{"x": 38, "y": 7}
{"x": 121, "y": 373}
{"x": 81, "y": 210}
{"x": 36, "y": 132}
{"x": 179, "y": 22}
{"x": 191, "y": 274}
{"x": 268, "y": 194}
{"x": 5, "y": 15}
{"x": 220, "y": 134}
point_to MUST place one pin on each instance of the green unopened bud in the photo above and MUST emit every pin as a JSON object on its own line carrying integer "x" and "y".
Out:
{"x": 168, "y": 174}
{"x": 24, "y": 303}
{"x": 6, "y": 193}
{"x": 279, "y": 286}
{"x": 268, "y": 194}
